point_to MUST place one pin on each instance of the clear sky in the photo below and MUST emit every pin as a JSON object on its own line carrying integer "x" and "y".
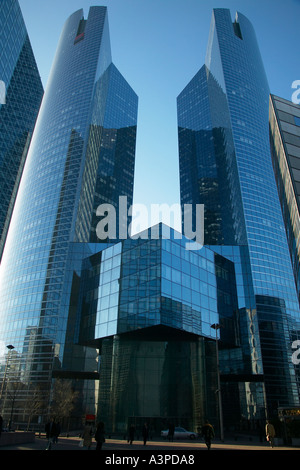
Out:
{"x": 158, "y": 46}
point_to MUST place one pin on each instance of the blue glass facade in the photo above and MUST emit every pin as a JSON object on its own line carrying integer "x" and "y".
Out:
{"x": 285, "y": 150}
{"x": 225, "y": 164}
{"x": 137, "y": 277}
{"x": 112, "y": 175}
{"x": 73, "y": 165}
{"x": 148, "y": 305}
{"x": 18, "y": 113}
{"x": 130, "y": 322}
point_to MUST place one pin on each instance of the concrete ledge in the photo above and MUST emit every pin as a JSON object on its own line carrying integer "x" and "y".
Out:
{"x": 18, "y": 437}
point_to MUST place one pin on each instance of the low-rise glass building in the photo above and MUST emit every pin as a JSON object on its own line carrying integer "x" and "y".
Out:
{"x": 148, "y": 306}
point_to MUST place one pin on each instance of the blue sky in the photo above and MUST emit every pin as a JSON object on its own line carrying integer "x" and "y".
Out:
{"x": 158, "y": 46}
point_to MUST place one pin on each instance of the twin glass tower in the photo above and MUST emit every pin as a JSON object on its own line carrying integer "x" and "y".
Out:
{"x": 129, "y": 322}
{"x": 22, "y": 92}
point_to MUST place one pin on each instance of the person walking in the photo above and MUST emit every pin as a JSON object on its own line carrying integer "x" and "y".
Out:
{"x": 208, "y": 434}
{"x": 131, "y": 434}
{"x": 100, "y": 435}
{"x": 145, "y": 432}
{"x": 50, "y": 429}
{"x": 57, "y": 432}
{"x": 171, "y": 432}
{"x": 270, "y": 433}
{"x": 87, "y": 435}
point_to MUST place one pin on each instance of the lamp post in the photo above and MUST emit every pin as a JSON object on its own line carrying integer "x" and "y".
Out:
{"x": 9, "y": 347}
{"x": 216, "y": 327}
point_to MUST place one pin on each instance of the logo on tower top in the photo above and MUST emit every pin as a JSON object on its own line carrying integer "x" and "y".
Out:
{"x": 295, "y": 95}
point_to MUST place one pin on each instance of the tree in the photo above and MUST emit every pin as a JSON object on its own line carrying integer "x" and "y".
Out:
{"x": 63, "y": 399}
{"x": 35, "y": 403}
{"x": 12, "y": 393}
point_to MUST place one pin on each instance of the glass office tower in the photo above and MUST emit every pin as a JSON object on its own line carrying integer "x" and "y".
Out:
{"x": 82, "y": 155}
{"x": 285, "y": 150}
{"x": 22, "y": 95}
{"x": 225, "y": 164}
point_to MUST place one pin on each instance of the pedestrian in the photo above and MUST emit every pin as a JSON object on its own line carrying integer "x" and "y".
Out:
{"x": 87, "y": 435}
{"x": 270, "y": 433}
{"x": 131, "y": 434}
{"x": 171, "y": 432}
{"x": 100, "y": 435}
{"x": 1, "y": 424}
{"x": 50, "y": 429}
{"x": 145, "y": 432}
{"x": 56, "y": 432}
{"x": 208, "y": 434}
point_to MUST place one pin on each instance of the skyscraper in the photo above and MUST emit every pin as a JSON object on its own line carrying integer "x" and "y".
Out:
{"x": 82, "y": 155}
{"x": 225, "y": 164}
{"x": 285, "y": 151}
{"x": 23, "y": 91}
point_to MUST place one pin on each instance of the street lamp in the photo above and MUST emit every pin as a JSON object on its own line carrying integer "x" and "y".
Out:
{"x": 216, "y": 327}
{"x": 9, "y": 347}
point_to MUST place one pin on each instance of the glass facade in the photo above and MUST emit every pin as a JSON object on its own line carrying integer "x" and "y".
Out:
{"x": 225, "y": 164}
{"x": 19, "y": 108}
{"x": 135, "y": 279}
{"x": 285, "y": 150}
{"x": 86, "y": 127}
{"x": 111, "y": 176}
{"x": 148, "y": 306}
{"x": 129, "y": 322}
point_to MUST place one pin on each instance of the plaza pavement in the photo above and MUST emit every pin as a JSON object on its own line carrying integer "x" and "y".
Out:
{"x": 117, "y": 445}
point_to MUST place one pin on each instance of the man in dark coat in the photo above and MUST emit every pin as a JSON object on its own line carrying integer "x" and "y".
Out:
{"x": 208, "y": 434}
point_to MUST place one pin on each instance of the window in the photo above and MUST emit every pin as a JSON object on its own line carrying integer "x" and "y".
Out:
{"x": 297, "y": 120}
{"x": 237, "y": 30}
{"x": 80, "y": 32}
